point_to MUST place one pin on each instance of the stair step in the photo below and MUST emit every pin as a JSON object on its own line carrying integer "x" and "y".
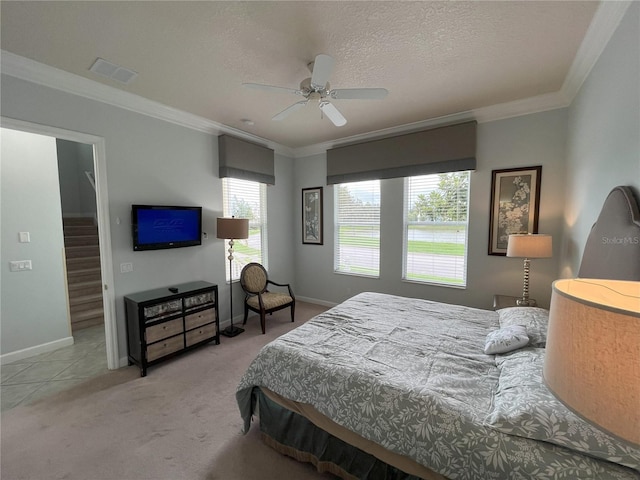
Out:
{"x": 74, "y": 230}
{"x": 83, "y": 299}
{"x": 96, "y": 312}
{"x": 85, "y": 288}
{"x": 82, "y": 263}
{"x": 90, "y": 322}
{"x": 78, "y": 221}
{"x": 88, "y": 318}
{"x": 84, "y": 275}
{"x": 88, "y": 306}
{"x": 80, "y": 240}
{"x": 84, "y": 251}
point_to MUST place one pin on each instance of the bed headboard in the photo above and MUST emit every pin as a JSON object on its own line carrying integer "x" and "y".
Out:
{"x": 612, "y": 250}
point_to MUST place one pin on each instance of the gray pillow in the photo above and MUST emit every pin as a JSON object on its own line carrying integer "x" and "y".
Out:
{"x": 525, "y": 407}
{"x": 536, "y": 321}
{"x": 506, "y": 339}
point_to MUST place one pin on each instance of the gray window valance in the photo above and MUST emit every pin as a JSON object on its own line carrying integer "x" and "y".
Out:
{"x": 245, "y": 160}
{"x": 444, "y": 149}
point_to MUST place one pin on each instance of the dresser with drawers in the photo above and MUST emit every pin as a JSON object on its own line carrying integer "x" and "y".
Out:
{"x": 165, "y": 322}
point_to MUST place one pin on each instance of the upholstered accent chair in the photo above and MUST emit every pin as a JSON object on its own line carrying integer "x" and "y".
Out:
{"x": 255, "y": 281}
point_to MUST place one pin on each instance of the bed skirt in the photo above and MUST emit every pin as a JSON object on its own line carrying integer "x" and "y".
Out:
{"x": 294, "y": 435}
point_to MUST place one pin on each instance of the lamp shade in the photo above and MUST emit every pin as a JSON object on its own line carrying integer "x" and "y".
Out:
{"x": 529, "y": 245}
{"x": 232, "y": 228}
{"x": 592, "y": 359}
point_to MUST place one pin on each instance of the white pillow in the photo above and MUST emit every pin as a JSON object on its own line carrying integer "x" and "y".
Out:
{"x": 535, "y": 319}
{"x": 506, "y": 339}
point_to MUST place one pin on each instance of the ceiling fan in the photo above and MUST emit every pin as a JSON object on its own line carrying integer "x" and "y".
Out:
{"x": 317, "y": 89}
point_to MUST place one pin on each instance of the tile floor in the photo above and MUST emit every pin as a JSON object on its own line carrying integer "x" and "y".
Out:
{"x": 30, "y": 379}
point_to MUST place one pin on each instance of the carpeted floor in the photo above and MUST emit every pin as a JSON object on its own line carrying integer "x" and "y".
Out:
{"x": 179, "y": 422}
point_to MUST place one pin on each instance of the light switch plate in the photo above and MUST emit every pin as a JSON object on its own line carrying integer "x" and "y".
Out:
{"x": 25, "y": 237}
{"x": 126, "y": 267}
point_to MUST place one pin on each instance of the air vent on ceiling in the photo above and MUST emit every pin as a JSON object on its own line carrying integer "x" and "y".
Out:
{"x": 113, "y": 71}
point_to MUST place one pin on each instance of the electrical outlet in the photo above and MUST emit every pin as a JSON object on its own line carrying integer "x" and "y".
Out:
{"x": 20, "y": 265}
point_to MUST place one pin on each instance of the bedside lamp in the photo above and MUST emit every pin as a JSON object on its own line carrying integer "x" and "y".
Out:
{"x": 527, "y": 246}
{"x": 232, "y": 228}
{"x": 592, "y": 358}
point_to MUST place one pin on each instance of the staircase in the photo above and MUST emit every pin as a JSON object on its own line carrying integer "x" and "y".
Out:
{"x": 83, "y": 272}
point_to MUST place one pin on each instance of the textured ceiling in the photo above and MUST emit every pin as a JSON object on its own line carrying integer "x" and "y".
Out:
{"x": 435, "y": 58}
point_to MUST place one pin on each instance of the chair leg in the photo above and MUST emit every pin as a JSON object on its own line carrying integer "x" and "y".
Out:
{"x": 246, "y": 314}
{"x": 262, "y": 321}
{"x": 293, "y": 311}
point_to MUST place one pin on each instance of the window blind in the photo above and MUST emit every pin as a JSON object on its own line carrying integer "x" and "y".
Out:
{"x": 245, "y": 160}
{"x": 435, "y": 228}
{"x": 246, "y": 199}
{"x": 444, "y": 149}
{"x": 357, "y": 228}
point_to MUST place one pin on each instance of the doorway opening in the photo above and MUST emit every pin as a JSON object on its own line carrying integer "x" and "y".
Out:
{"x": 81, "y": 240}
{"x": 98, "y": 249}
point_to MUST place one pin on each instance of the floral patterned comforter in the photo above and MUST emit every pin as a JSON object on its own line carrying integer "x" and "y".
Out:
{"x": 411, "y": 375}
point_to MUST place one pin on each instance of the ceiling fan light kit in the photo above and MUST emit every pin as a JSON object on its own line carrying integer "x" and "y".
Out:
{"x": 317, "y": 89}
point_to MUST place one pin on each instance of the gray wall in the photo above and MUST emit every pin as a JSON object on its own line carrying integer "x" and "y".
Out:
{"x": 603, "y": 142}
{"x": 585, "y": 151}
{"x": 155, "y": 162}
{"x": 33, "y": 303}
{"x": 518, "y": 142}
{"x": 77, "y": 195}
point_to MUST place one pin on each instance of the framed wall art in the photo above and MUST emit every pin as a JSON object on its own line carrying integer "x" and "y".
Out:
{"x": 515, "y": 201}
{"x": 312, "y": 215}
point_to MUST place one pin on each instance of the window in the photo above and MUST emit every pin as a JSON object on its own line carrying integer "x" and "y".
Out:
{"x": 357, "y": 228}
{"x": 435, "y": 228}
{"x": 246, "y": 199}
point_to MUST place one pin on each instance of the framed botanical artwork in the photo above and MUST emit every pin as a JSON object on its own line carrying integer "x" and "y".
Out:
{"x": 312, "y": 215}
{"x": 515, "y": 201}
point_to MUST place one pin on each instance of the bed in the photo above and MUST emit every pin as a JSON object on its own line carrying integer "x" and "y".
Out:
{"x": 387, "y": 387}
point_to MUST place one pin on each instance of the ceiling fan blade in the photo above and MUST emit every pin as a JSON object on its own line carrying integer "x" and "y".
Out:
{"x": 359, "y": 93}
{"x": 285, "y": 113}
{"x": 333, "y": 114}
{"x": 322, "y": 68}
{"x": 271, "y": 88}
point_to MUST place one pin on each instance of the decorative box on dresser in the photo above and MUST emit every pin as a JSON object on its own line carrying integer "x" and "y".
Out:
{"x": 165, "y": 322}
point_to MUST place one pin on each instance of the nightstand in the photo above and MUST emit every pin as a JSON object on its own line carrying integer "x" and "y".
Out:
{"x": 504, "y": 301}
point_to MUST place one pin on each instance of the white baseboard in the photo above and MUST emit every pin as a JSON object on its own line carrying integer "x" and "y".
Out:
{"x": 36, "y": 350}
{"x": 316, "y": 301}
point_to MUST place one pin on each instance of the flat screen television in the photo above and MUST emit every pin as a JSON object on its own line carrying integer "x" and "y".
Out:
{"x": 157, "y": 227}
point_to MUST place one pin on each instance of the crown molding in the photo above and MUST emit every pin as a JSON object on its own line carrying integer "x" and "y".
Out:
{"x": 604, "y": 23}
{"x": 516, "y": 108}
{"x": 601, "y": 29}
{"x": 41, "y": 74}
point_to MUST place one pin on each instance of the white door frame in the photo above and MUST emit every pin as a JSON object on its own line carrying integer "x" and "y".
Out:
{"x": 104, "y": 233}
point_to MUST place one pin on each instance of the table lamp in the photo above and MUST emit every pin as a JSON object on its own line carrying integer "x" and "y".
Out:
{"x": 527, "y": 246}
{"x": 592, "y": 359}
